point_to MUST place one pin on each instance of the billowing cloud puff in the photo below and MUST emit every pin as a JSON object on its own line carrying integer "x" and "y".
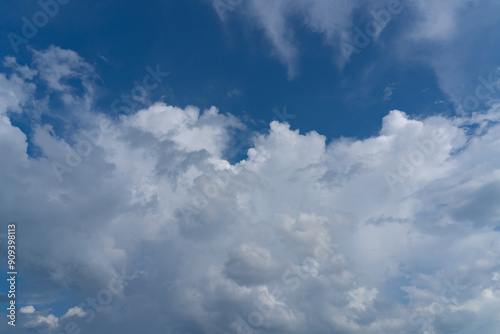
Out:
{"x": 35, "y": 319}
{"x": 27, "y": 309}
{"x": 139, "y": 222}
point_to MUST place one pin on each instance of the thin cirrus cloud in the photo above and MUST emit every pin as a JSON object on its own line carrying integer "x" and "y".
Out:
{"x": 393, "y": 233}
{"x": 453, "y": 38}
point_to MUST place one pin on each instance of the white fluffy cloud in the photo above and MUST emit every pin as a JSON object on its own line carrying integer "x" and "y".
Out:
{"x": 35, "y": 319}
{"x": 74, "y": 311}
{"x": 27, "y": 309}
{"x": 393, "y": 233}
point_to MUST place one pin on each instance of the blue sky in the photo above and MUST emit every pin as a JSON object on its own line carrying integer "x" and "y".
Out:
{"x": 252, "y": 142}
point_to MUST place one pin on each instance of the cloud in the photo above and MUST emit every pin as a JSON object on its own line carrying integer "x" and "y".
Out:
{"x": 325, "y": 17}
{"x": 447, "y": 37}
{"x": 50, "y": 321}
{"x": 56, "y": 64}
{"x": 34, "y": 319}
{"x": 56, "y": 67}
{"x": 27, "y": 309}
{"x": 14, "y": 93}
{"x": 74, "y": 311}
{"x": 303, "y": 235}
{"x": 334, "y": 20}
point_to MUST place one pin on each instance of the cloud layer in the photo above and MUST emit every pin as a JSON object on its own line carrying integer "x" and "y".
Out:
{"x": 143, "y": 221}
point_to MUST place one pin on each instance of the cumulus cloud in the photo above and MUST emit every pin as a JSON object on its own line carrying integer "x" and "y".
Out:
{"x": 74, "y": 311}
{"x": 352, "y": 236}
{"x": 35, "y": 319}
{"x": 27, "y": 309}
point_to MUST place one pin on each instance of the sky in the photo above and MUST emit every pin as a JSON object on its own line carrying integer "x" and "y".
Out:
{"x": 251, "y": 166}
